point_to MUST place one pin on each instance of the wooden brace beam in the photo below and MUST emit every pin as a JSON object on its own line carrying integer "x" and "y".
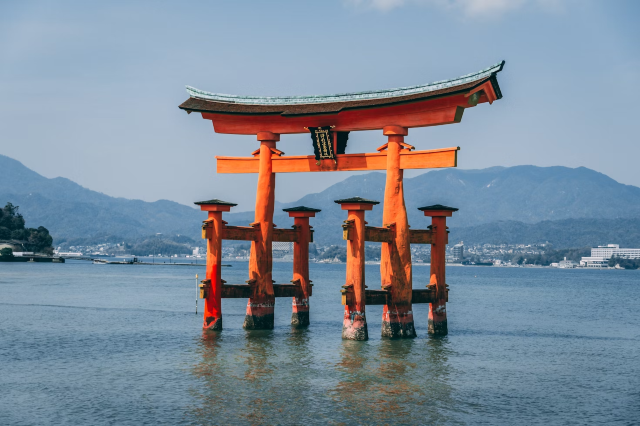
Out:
{"x": 378, "y": 235}
{"x": 245, "y": 291}
{"x": 383, "y": 297}
{"x": 286, "y": 235}
{"x": 240, "y": 233}
{"x": 430, "y": 159}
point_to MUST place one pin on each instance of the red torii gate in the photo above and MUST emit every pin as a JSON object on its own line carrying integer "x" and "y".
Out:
{"x": 392, "y": 111}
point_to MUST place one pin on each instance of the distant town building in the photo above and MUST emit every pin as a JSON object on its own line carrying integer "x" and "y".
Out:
{"x": 458, "y": 251}
{"x": 600, "y": 255}
{"x": 566, "y": 264}
{"x": 196, "y": 251}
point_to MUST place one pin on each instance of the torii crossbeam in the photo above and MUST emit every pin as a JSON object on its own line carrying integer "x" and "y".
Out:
{"x": 393, "y": 111}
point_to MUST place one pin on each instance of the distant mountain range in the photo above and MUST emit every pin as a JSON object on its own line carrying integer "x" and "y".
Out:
{"x": 522, "y": 204}
{"x": 71, "y": 211}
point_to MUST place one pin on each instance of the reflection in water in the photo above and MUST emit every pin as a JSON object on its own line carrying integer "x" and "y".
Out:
{"x": 400, "y": 381}
{"x": 236, "y": 374}
{"x": 257, "y": 378}
{"x": 261, "y": 377}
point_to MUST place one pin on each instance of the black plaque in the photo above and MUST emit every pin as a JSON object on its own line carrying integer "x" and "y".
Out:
{"x": 322, "y": 143}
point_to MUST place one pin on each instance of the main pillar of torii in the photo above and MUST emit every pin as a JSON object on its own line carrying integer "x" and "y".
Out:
{"x": 261, "y": 304}
{"x": 395, "y": 257}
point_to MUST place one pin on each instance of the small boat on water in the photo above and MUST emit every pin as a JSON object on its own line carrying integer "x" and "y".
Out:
{"x": 99, "y": 262}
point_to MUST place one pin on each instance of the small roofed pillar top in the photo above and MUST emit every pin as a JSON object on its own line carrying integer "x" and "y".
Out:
{"x": 438, "y": 210}
{"x": 215, "y": 205}
{"x": 301, "y": 211}
{"x": 356, "y": 203}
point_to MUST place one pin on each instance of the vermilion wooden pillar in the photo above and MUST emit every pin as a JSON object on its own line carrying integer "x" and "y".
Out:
{"x": 395, "y": 258}
{"x": 438, "y": 308}
{"x": 354, "y": 326}
{"x": 260, "y": 306}
{"x": 212, "y": 231}
{"x": 300, "y": 307}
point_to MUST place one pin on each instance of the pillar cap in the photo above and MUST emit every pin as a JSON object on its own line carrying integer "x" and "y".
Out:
{"x": 301, "y": 211}
{"x": 356, "y": 203}
{"x": 395, "y": 131}
{"x": 268, "y": 136}
{"x": 438, "y": 210}
{"x": 214, "y": 205}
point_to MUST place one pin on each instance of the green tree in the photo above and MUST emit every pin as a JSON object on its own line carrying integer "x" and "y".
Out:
{"x": 625, "y": 263}
{"x": 12, "y": 227}
{"x": 5, "y": 233}
{"x": 6, "y": 252}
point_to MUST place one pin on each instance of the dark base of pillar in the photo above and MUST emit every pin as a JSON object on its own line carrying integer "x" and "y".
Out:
{"x": 398, "y": 330}
{"x": 212, "y": 323}
{"x": 354, "y": 326}
{"x": 259, "y": 315}
{"x": 258, "y": 322}
{"x": 438, "y": 328}
{"x": 438, "y": 318}
{"x": 300, "y": 319}
{"x": 397, "y": 322}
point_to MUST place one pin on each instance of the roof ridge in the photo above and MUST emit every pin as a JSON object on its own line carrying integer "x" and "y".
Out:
{"x": 342, "y": 97}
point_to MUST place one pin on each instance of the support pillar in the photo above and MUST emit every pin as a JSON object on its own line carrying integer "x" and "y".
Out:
{"x": 354, "y": 326}
{"x": 395, "y": 257}
{"x": 438, "y": 308}
{"x": 260, "y": 306}
{"x": 300, "y": 306}
{"x": 212, "y": 285}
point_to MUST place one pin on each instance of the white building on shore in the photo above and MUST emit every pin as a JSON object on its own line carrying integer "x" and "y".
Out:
{"x": 600, "y": 255}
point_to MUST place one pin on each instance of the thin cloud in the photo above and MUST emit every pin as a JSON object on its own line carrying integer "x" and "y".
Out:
{"x": 466, "y": 7}
{"x": 382, "y": 5}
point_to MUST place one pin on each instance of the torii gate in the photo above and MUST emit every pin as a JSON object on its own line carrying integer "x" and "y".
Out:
{"x": 393, "y": 111}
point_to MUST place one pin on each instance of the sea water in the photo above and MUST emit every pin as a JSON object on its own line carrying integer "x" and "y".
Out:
{"x": 121, "y": 344}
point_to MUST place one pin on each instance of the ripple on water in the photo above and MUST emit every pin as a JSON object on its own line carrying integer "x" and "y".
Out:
{"x": 96, "y": 344}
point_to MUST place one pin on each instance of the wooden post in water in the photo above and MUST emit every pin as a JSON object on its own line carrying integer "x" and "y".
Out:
{"x": 211, "y": 287}
{"x": 354, "y": 326}
{"x": 262, "y": 301}
{"x": 300, "y": 307}
{"x": 395, "y": 257}
{"x": 438, "y": 308}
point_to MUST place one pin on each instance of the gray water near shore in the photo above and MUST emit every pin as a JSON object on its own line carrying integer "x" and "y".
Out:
{"x": 121, "y": 344}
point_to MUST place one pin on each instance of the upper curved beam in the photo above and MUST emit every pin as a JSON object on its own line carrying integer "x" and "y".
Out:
{"x": 417, "y": 106}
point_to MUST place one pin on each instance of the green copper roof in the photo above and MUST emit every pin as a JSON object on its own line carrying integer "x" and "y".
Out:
{"x": 342, "y": 97}
{"x": 301, "y": 209}
{"x": 215, "y": 201}
{"x": 359, "y": 200}
{"x": 437, "y": 207}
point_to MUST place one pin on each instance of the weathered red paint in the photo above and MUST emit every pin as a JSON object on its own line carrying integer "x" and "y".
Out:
{"x": 395, "y": 258}
{"x": 354, "y": 326}
{"x": 260, "y": 306}
{"x": 300, "y": 303}
{"x": 213, "y": 301}
{"x": 438, "y": 308}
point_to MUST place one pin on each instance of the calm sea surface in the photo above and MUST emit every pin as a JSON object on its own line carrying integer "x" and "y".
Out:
{"x": 106, "y": 344}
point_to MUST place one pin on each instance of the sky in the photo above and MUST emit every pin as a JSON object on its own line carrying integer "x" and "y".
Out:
{"x": 90, "y": 90}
